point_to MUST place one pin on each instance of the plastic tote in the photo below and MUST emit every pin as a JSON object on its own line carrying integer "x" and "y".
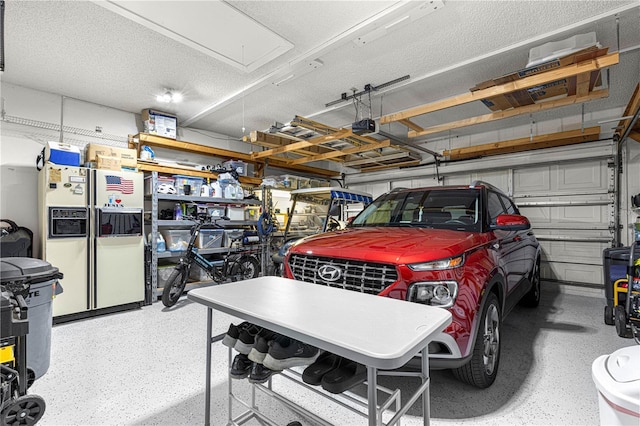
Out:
{"x": 617, "y": 378}
{"x": 38, "y": 280}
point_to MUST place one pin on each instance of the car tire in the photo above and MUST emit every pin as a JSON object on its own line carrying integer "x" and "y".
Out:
{"x": 532, "y": 298}
{"x": 482, "y": 369}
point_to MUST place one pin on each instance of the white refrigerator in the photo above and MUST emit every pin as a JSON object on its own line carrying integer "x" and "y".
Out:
{"x": 92, "y": 230}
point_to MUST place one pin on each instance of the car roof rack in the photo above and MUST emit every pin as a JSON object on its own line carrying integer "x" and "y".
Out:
{"x": 486, "y": 184}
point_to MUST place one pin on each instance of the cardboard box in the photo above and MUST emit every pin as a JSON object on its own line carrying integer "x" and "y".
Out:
{"x": 159, "y": 123}
{"x": 62, "y": 154}
{"x": 108, "y": 163}
{"x": 127, "y": 156}
{"x": 555, "y": 88}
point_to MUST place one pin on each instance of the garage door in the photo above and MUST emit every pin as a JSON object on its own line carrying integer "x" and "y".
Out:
{"x": 569, "y": 201}
{"x": 571, "y": 208}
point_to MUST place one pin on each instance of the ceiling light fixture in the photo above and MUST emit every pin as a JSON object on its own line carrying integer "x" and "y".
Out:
{"x": 169, "y": 96}
{"x": 398, "y": 20}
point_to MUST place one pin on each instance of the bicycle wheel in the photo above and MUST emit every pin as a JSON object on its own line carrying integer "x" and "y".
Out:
{"x": 174, "y": 286}
{"x": 244, "y": 268}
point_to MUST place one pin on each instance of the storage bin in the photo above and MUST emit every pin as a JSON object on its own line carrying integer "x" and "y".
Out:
{"x": 195, "y": 185}
{"x": 215, "y": 212}
{"x": 304, "y": 183}
{"x": 289, "y": 182}
{"x": 210, "y": 238}
{"x": 235, "y": 212}
{"x": 251, "y": 213}
{"x": 176, "y": 239}
{"x": 240, "y": 167}
{"x": 161, "y": 179}
{"x": 617, "y": 380}
{"x": 164, "y": 272}
{"x": 233, "y": 234}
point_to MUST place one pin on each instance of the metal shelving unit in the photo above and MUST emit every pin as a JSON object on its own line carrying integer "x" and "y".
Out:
{"x": 154, "y": 224}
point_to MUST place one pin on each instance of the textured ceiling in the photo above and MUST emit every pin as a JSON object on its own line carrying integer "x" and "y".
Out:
{"x": 85, "y": 51}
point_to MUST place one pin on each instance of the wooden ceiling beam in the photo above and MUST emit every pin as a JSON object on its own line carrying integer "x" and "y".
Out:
{"x": 410, "y": 124}
{"x": 380, "y": 158}
{"x": 525, "y": 144}
{"x": 630, "y": 111}
{"x": 323, "y": 128}
{"x": 525, "y": 83}
{"x": 582, "y": 84}
{"x": 499, "y": 115}
{"x": 274, "y": 141}
{"x": 302, "y": 144}
{"x": 390, "y": 166}
{"x": 635, "y": 135}
{"x": 332, "y": 155}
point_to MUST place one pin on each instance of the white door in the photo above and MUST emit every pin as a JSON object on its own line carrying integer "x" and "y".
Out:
{"x": 119, "y": 271}
{"x": 70, "y": 256}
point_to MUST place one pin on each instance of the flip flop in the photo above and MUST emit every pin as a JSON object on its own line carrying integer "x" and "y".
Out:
{"x": 325, "y": 363}
{"x": 347, "y": 375}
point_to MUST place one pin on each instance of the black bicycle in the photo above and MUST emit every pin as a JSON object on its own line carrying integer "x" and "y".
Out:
{"x": 235, "y": 266}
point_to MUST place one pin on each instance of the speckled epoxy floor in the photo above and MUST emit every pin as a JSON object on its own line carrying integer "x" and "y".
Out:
{"x": 146, "y": 367}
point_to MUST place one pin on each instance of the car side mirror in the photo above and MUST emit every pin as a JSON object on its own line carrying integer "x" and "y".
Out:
{"x": 511, "y": 222}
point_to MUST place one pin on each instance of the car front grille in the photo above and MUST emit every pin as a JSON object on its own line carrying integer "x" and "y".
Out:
{"x": 365, "y": 277}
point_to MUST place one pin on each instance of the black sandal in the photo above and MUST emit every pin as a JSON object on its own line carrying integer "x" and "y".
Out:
{"x": 325, "y": 363}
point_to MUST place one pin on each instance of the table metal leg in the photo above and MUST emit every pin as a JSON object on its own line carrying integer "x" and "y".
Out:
{"x": 426, "y": 396}
{"x": 207, "y": 390}
{"x": 372, "y": 395}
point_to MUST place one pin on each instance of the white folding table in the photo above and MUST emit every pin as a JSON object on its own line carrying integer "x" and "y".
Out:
{"x": 378, "y": 332}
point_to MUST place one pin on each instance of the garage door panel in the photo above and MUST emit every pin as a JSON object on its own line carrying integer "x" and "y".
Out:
{"x": 581, "y": 176}
{"x": 571, "y": 272}
{"x": 497, "y": 178}
{"x": 568, "y": 251}
{"x": 536, "y": 215}
{"x": 595, "y": 214}
{"x": 532, "y": 181}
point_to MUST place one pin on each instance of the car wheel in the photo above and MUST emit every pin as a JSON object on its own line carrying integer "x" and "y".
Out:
{"x": 532, "y": 298}
{"x": 482, "y": 369}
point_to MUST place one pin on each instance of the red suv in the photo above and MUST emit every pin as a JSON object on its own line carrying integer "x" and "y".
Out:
{"x": 462, "y": 248}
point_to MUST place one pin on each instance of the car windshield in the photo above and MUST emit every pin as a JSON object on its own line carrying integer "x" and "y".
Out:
{"x": 457, "y": 209}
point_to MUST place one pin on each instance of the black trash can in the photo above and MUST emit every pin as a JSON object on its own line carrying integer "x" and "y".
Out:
{"x": 614, "y": 266}
{"x": 37, "y": 281}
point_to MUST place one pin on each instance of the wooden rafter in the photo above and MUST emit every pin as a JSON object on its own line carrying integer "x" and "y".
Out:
{"x": 513, "y": 86}
{"x": 302, "y": 144}
{"x": 343, "y": 153}
{"x": 407, "y": 163}
{"x": 525, "y": 144}
{"x": 499, "y": 115}
{"x": 268, "y": 140}
{"x": 382, "y": 159}
{"x": 632, "y": 108}
{"x": 323, "y": 128}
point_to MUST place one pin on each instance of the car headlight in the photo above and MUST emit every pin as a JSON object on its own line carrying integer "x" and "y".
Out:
{"x": 434, "y": 293}
{"x": 452, "y": 262}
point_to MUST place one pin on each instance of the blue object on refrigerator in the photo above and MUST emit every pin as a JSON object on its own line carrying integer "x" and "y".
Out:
{"x": 62, "y": 154}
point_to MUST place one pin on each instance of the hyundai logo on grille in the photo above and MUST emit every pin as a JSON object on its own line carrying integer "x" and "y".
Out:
{"x": 329, "y": 273}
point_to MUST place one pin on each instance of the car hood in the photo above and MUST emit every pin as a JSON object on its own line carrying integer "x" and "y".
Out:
{"x": 390, "y": 244}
